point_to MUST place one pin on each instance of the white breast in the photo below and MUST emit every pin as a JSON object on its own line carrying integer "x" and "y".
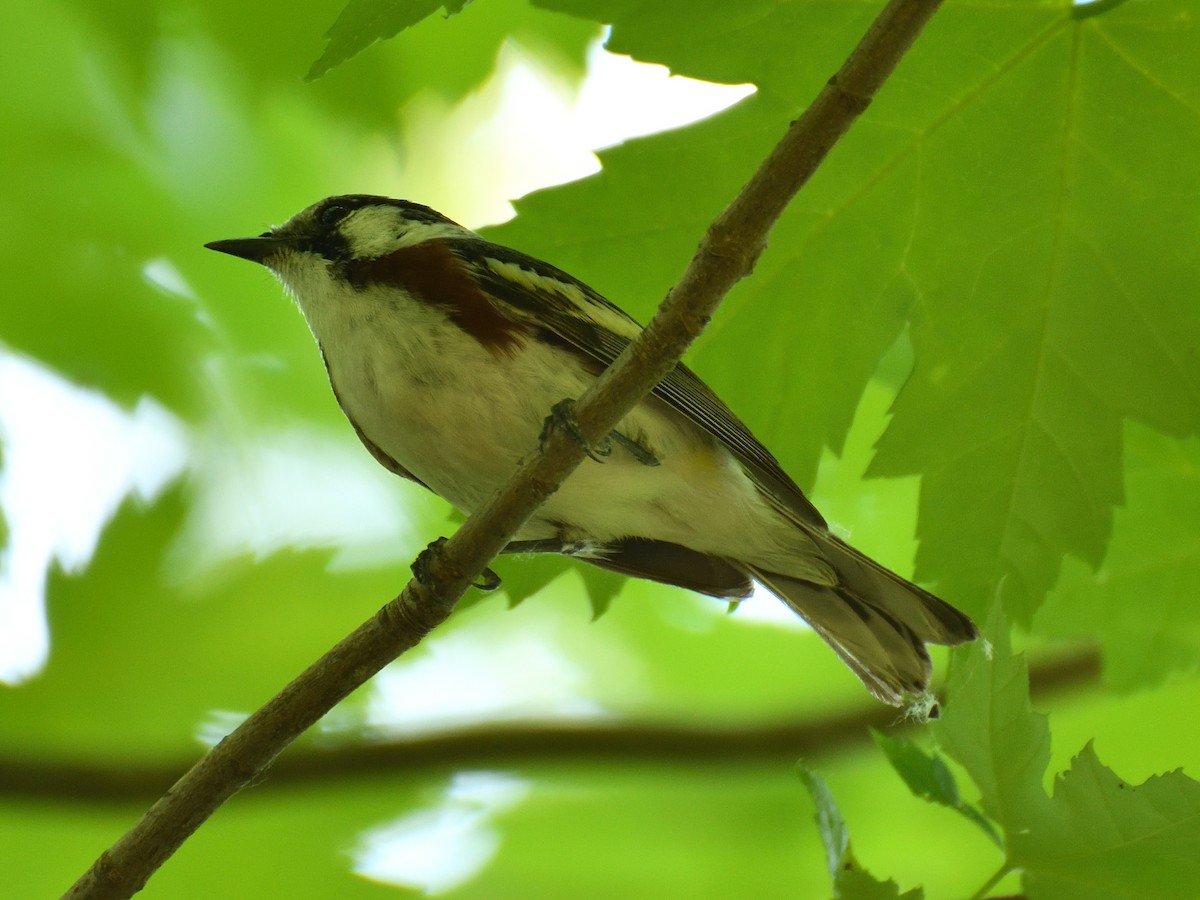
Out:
{"x": 459, "y": 418}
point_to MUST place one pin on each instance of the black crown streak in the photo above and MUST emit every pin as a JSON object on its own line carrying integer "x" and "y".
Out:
{"x": 320, "y": 233}
{"x": 347, "y": 203}
{"x": 431, "y": 273}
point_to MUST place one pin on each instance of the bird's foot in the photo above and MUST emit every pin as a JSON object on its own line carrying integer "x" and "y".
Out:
{"x": 562, "y": 416}
{"x": 637, "y": 450}
{"x": 429, "y": 558}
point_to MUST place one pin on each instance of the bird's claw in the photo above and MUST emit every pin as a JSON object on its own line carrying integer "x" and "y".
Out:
{"x": 562, "y": 416}
{"x": 422, "y": 568}
{"x": 637, "y": 450}
{"x": 488, "y": 581}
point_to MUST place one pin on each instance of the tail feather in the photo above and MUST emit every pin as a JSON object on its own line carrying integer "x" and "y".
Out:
{"x": 881, "y": 650}
{"x": 932, "y": 619}
{"x": 876, "y": 621}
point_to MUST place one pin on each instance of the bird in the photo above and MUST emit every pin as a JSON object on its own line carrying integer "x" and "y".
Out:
{"x": 447, "y": 352}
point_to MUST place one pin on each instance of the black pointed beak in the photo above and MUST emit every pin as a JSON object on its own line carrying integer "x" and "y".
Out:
{"x": 256, "y": 249}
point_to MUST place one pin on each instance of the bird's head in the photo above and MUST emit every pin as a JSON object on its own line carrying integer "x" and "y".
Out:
{"x": 338, "y": 235}
{"x": 354, "y": 251}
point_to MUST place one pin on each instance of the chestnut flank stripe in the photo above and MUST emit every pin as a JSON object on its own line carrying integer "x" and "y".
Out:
{"x": 431, "y": 274}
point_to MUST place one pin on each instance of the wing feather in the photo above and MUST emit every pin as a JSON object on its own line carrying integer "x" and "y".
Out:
{"x": 563, "y": 309}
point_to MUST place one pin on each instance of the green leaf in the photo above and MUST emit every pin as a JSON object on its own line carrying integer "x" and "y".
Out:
{"x": 363, "y": 22}
{"x": 834, "y": 834}
{"x": 168, "y": 124}
{"x": 524, "y": 575}
{"x": 214, "y": 642}
{"x": 634, "y": 242}
{"x": 929, "y": 778}
{"x": 1096, "y": 837}
{"x": 1094, "y": 8}
{"x": 1141, "y": 602}
{"x": 1008, "y": 193}
{"x": 694, "y": 38}
{"x": 988, "y": 727}
{"x": 1046, "y": 321}
{"x": 1109, "y": 840}
{"x": 856, "y": 884}
{"x": 602, "y": 588}
{"x": 850, "y": 881}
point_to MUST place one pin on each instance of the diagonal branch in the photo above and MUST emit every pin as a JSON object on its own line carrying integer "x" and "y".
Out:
{"x": 726, "y": 254}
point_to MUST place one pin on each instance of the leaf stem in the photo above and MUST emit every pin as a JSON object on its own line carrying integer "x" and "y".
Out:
{"x": 1005, "y": 869}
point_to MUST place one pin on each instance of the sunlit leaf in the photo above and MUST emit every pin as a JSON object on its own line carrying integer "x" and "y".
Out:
{"x": 1012, "y": 222}
{"x": 1013, "y": 193}
{"x": 850, "y": 880}
{"x": 928, "y": 776}
{"x": 1096, "y": 836}
{"x": 1110, "y": 840}
{"x": 363, "y": 22}
{"x": 988, "y": 728}
{"x": 1141, "y": 602}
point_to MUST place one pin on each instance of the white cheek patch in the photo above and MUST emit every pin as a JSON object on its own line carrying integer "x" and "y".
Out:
{"x": 378, "y": 230}
{"x": 306, "y": 278}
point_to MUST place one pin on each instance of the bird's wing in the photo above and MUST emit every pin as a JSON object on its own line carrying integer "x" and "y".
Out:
{"x": 562, "y": 309}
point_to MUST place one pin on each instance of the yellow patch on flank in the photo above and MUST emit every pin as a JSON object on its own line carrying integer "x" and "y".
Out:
{"x": 706, "y": 461}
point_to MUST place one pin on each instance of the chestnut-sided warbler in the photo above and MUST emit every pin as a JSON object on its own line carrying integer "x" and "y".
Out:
{"x": 447, "y": 353}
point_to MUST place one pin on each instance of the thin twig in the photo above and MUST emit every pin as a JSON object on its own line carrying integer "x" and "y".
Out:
{"x": 727, "y": 253}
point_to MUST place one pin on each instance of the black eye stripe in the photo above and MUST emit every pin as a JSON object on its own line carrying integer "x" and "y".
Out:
{"x": 332, "y": 214}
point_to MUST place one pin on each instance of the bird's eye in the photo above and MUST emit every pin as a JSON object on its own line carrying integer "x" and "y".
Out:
{"x": 332, "y": 214}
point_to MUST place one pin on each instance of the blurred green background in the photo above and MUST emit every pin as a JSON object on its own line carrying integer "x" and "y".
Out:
{"x": 992, "y": 285}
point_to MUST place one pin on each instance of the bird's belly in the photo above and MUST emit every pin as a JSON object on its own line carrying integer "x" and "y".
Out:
{"x": 698, "y": 497}
{"x": 460, "y": 421}
{"x": 449, "y": 411}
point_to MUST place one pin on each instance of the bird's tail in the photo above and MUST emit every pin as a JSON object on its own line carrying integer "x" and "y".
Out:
{"x": 876, "y": 621}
